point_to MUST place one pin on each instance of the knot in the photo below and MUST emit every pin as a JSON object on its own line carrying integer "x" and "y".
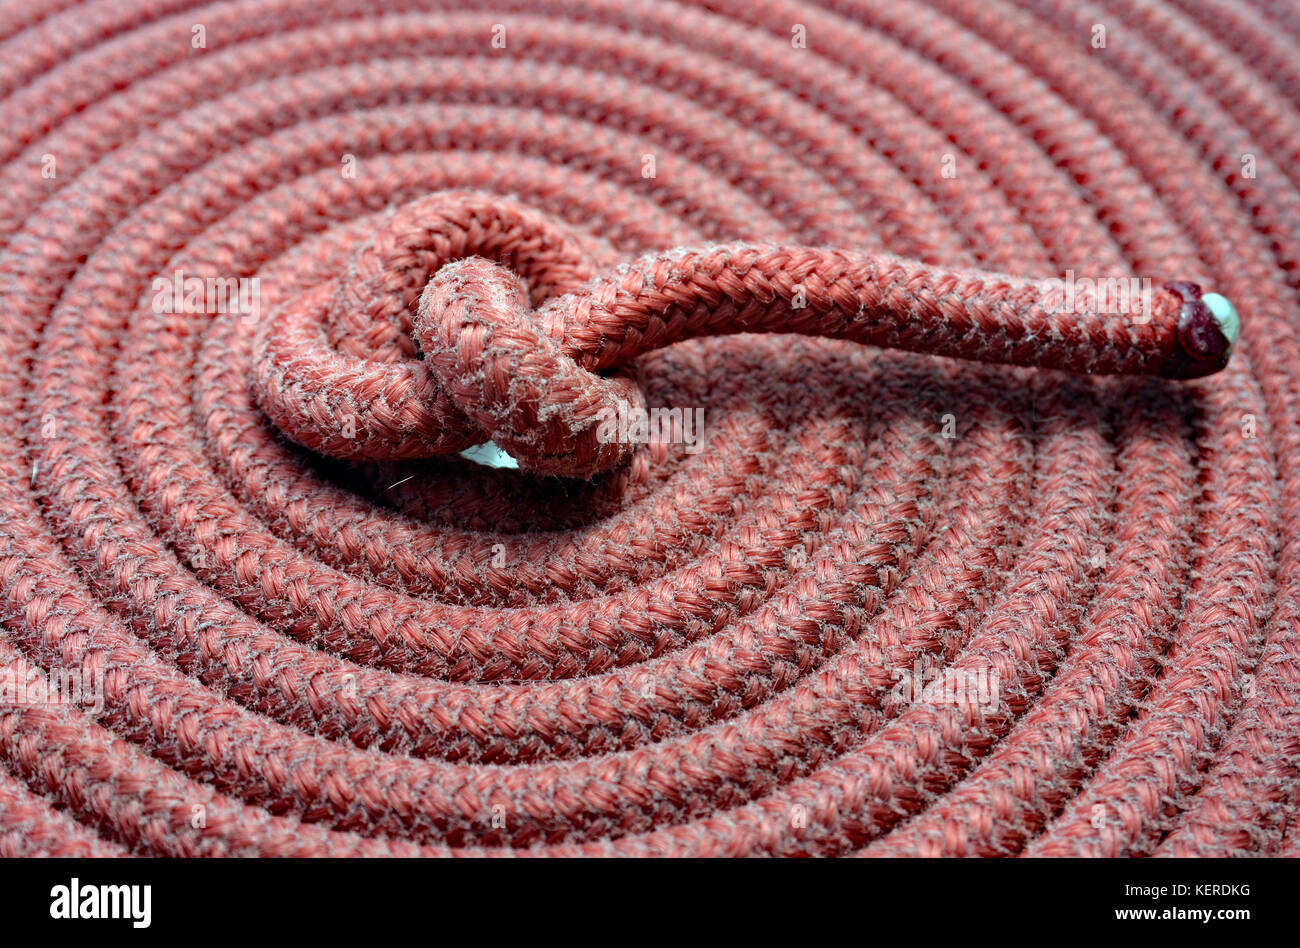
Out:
{"x": 354, "y": 369}
{"x": 517, "y": 382}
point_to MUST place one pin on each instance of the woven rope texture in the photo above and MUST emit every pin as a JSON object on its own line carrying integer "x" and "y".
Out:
{"x": 947, "y": 566}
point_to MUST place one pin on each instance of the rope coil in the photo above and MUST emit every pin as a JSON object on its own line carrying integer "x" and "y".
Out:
{"x": 893, "y": 603}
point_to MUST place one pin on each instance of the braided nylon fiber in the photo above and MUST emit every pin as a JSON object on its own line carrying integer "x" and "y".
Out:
{"x": 310, "y": 627}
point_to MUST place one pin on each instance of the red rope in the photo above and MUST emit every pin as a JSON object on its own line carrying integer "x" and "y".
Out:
{"x": 888, "y": 602}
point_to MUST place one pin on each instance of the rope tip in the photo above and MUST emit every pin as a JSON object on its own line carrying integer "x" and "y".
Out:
{"x": 1207, "y": 331}
{"x": 1225, "y": 317}
{"x": 489, "y": 455}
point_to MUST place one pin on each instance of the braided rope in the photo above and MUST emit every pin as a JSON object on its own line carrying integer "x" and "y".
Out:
{"x": 310, "y": 627}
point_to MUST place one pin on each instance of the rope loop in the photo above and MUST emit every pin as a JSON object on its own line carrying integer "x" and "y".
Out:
{"x": 518, "y": 383}
{"x": 337, "y": 370}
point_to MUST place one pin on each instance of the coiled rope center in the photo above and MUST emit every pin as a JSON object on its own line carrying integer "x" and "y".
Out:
{"x": 968, "y": 556}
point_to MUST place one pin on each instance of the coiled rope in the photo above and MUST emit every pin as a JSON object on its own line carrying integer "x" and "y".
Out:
{"x": 303, "y": 624}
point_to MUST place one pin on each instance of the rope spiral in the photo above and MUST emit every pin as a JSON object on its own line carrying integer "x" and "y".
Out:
{"x": 949, "y": 567}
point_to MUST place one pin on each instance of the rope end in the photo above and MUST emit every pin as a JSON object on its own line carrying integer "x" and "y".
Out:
{"x": 1207, "y": 332}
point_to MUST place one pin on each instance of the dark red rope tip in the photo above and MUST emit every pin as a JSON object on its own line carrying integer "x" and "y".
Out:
{"x": 1206, "y": 336}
